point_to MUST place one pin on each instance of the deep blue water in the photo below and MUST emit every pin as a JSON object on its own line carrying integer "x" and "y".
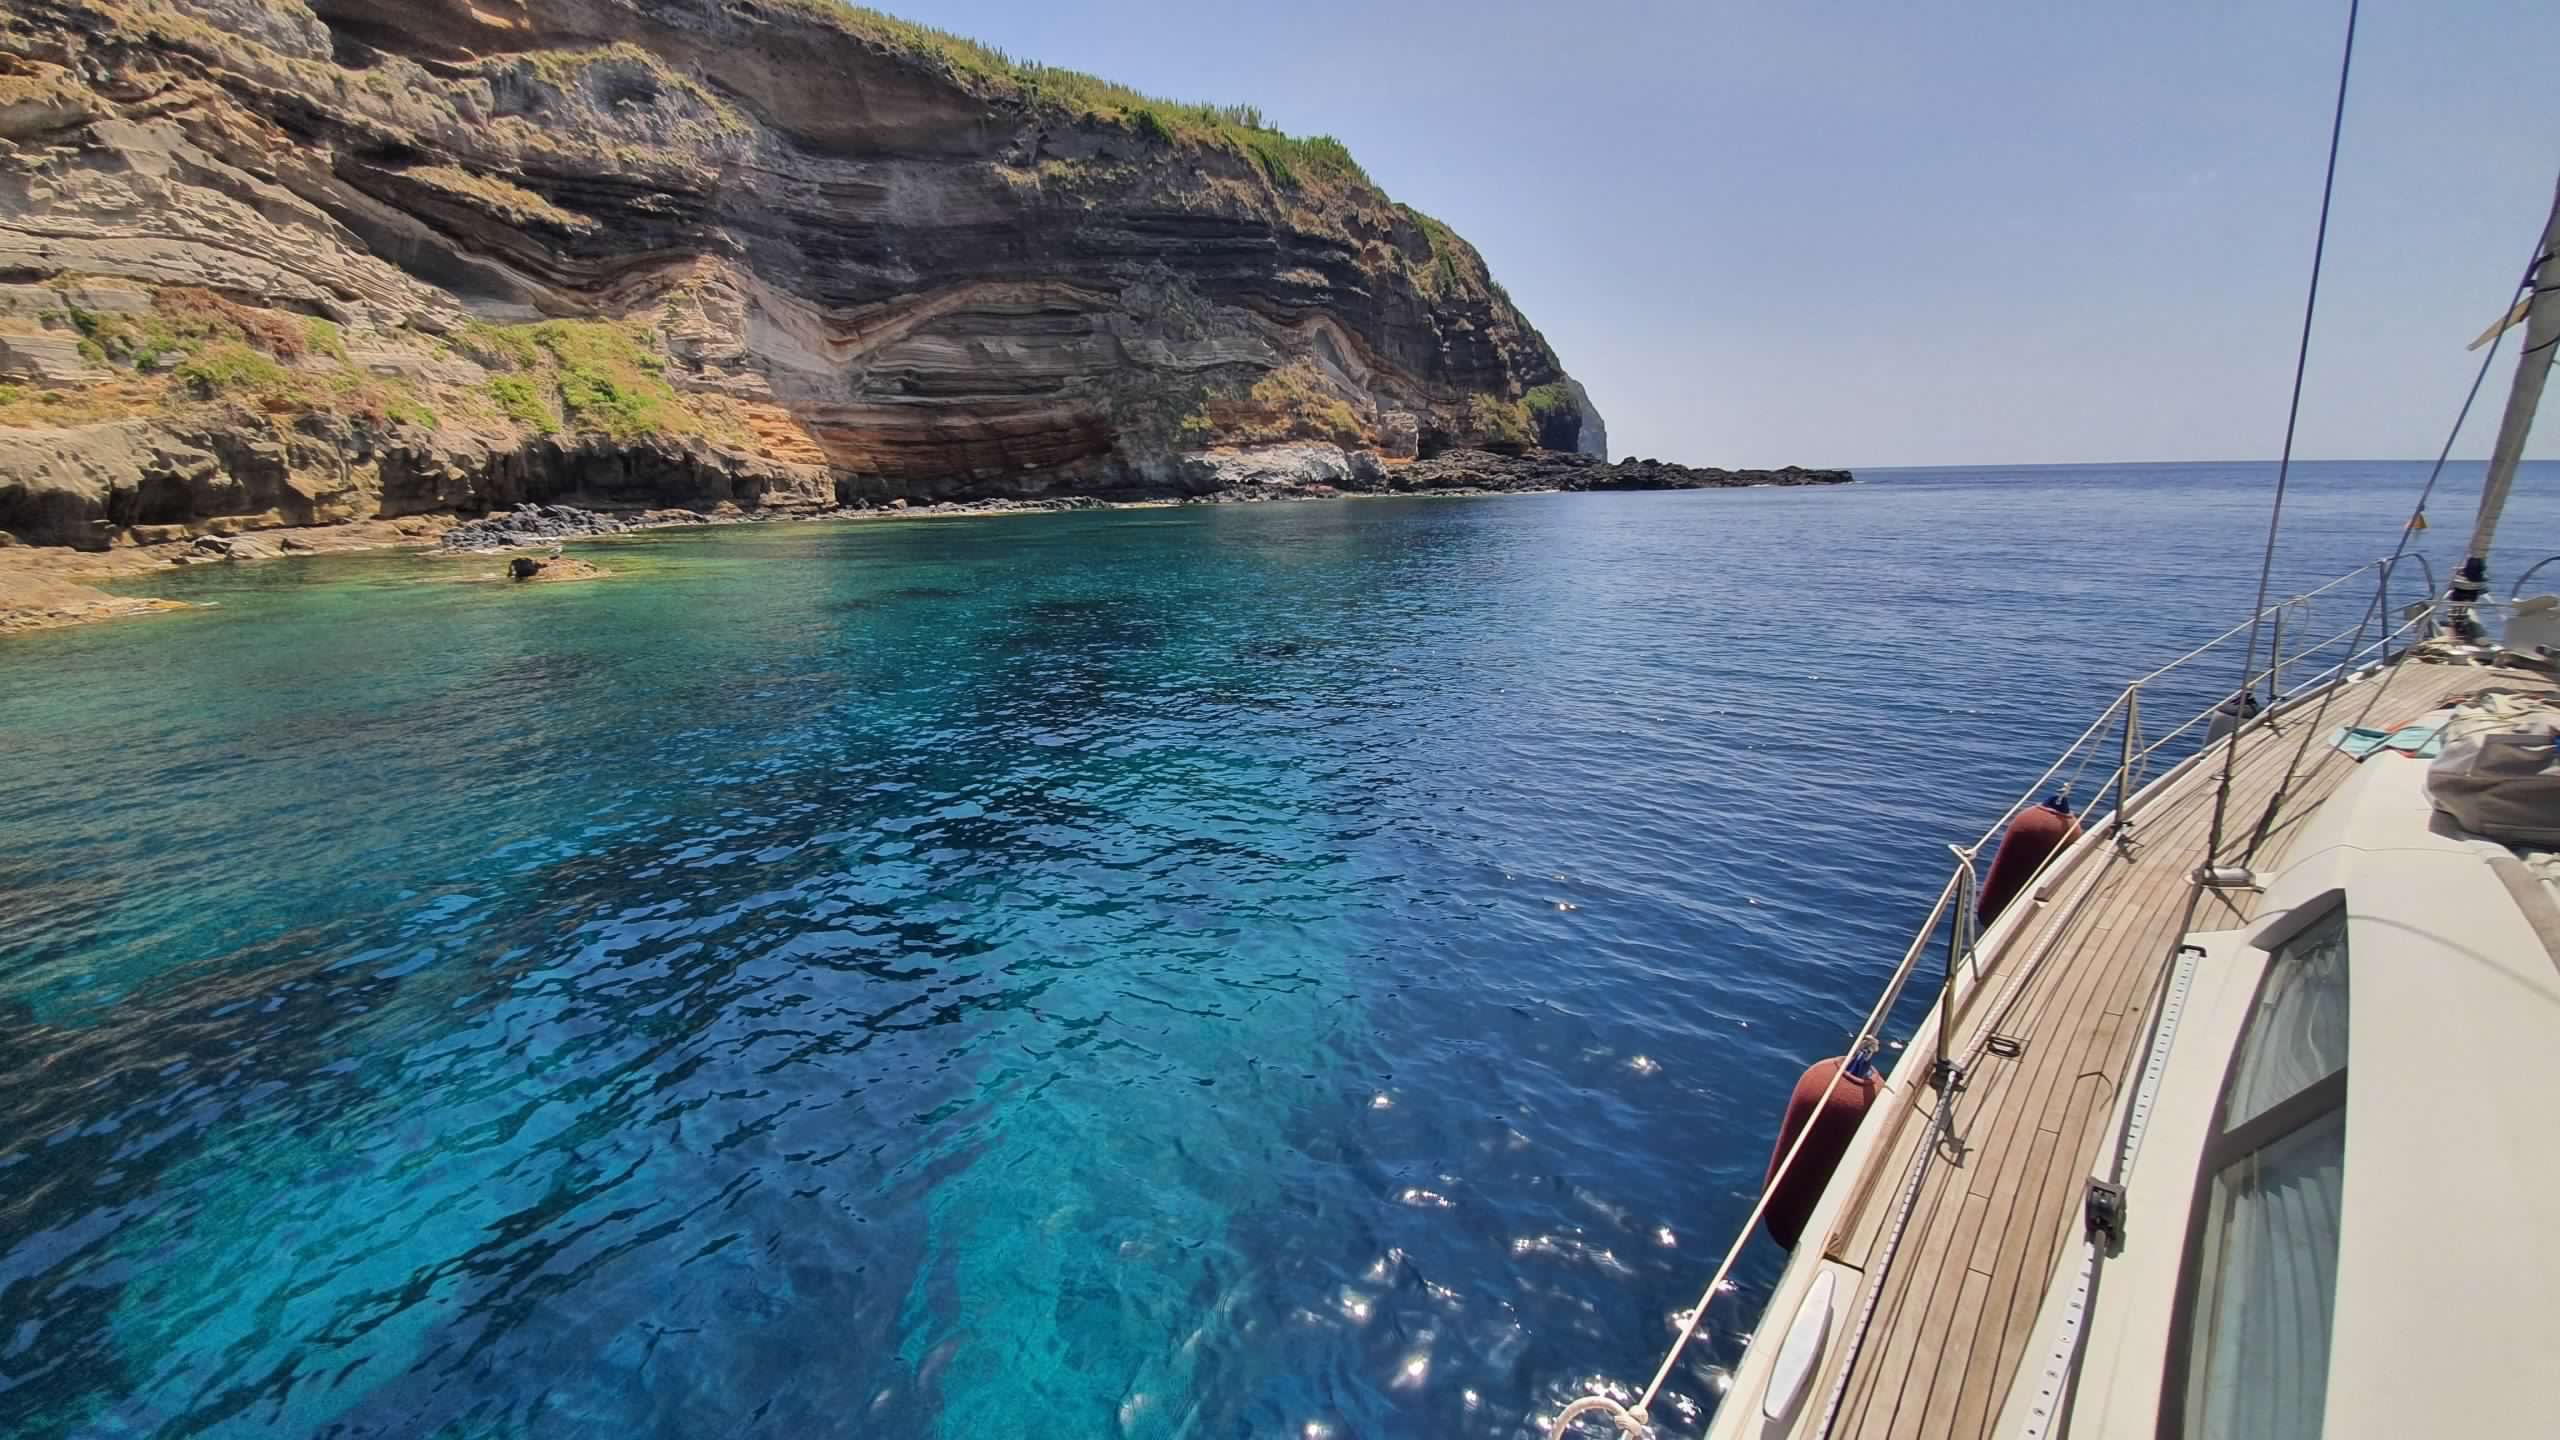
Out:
{"x": 1285, "y": 970}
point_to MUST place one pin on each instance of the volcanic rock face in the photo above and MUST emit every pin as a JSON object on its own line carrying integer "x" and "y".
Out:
{"x": 865, "y": 269}
{"x": 1584, "y": 434}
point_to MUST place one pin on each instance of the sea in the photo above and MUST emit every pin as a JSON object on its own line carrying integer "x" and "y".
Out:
{"x": 1302, "y": 970}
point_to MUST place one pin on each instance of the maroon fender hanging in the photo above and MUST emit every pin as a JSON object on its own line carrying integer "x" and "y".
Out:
{"x": 2031, "y": 839}
{"x": 1834, "y": 1113}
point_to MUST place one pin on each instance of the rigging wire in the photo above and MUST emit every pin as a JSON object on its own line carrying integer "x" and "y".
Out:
{"x": 2524, "y": 285}
{"x": 2293, "y": 417}
{"x": 1635, "y": 1421}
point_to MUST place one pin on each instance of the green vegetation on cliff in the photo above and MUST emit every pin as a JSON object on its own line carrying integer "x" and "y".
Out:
{"x": 1290, "y": 161}
{"x": 504, "y": 198}
{"x": 585, "y": 376}
{"x": 520, "y": 402}
{"x": 563, "y": 67}
{"x": 1500, "y": 422}
{"x": 181, "y": 321}
{"x": 657, "y": 161}
{"x": 325, "y": 338}
{"x": 1290, "y": 403}
{"x": 1546, "y": 401}
{"x": 191, "y": 346}
{"x": 230, "y": 370}
{"x": 1451, "y": 267}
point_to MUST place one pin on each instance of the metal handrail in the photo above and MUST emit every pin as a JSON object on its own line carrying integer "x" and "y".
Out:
{"x": 1634, "y": 1419}
{"x": 2130, "y": 698}
{"x": 2128, "y": 703}
{"x": 2430, "y": 569}
{"x": 2242, "y": 628}
{"x": 2422, "y": 618}
{"x": 2317, "y": 680}
{"x": 2269, "y": 674}
{"x": 2512, "y": 594}
{"x": 1958, "y": 894}
{"x": 2276, "y": 664}
{"x": 2034, "y": 790}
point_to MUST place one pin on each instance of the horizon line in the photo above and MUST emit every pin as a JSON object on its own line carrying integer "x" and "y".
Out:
{"x": 2107, "y": 464}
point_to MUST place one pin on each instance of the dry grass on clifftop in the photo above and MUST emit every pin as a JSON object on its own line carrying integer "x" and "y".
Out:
{"x": 1288, "y": 161}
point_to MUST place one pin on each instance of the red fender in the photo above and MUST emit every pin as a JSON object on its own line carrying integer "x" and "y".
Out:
{"x": 1835, "y": 1122}
{"x": 2031, "y": 839}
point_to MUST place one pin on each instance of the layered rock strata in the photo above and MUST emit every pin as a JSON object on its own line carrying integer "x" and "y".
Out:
{"x": 294, "y": 261}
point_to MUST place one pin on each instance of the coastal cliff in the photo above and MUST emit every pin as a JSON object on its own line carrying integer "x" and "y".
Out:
{"x": 293, "y": 262}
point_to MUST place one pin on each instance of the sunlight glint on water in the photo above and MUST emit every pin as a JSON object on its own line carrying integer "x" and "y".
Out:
{"x": 1317, "y": 969}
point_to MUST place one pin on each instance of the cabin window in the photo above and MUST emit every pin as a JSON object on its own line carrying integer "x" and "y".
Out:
{"x": 2260, "y": 1283}
{"x": 2296, "y": 1035}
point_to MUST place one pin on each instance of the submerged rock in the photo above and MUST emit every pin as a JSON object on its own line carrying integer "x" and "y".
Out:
{"x": 526, "y": 568}
{"x": 224, "y": 547}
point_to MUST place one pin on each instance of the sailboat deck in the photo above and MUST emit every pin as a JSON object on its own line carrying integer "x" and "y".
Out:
{"x": 2072, "y": 984}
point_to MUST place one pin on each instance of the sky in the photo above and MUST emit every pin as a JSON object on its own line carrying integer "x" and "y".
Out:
{"x": 1927, "y": 233}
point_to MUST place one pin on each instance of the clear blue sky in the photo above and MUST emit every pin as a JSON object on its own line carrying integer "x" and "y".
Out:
{"x": 1873, "y": 233}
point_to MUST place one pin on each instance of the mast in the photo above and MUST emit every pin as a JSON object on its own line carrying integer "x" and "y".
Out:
{"x": 2541, "y": 314}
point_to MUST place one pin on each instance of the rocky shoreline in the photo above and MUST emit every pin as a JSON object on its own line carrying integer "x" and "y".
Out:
{"x": 280, "y": 282}
{"x": 422, "y": 247}
{"x": 46, "y": 587}
{"x": 532, "y": 525}
{"x": 1325, "y": 469}
{"x": 1281, "y": 472}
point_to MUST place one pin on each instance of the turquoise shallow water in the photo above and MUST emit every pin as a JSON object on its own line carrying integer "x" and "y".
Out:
{"x": 1280, "y": 970}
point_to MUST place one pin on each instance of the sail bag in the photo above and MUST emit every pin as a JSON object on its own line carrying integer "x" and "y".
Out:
{"x": 2499, "y": 776}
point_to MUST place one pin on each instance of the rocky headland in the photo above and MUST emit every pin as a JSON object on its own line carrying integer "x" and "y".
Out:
{"x": 285, "y": 264}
